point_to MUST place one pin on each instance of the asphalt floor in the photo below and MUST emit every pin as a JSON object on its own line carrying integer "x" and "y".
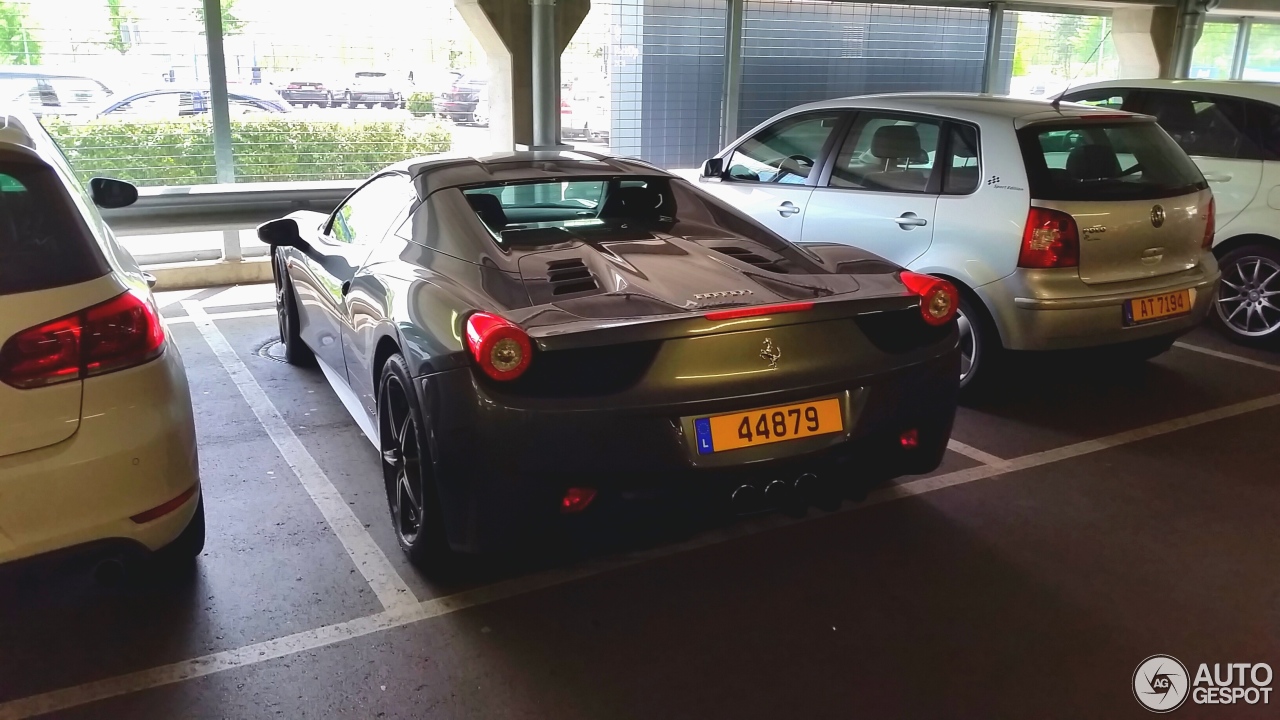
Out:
{"x": 1089, "y": 515}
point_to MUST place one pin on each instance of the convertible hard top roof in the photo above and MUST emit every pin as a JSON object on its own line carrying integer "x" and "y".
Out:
{"x": 436, "y": 172}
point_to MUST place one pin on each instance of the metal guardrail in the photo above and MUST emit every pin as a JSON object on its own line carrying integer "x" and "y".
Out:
{"x": 198, "y": 208}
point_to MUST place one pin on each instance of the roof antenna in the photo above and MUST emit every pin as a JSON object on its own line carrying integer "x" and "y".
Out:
{"x": 1056, "y": 101}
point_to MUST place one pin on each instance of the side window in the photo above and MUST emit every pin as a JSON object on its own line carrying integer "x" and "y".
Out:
{"x": 888, "y": 153}
{"x": 962, "y": 172}
{"x": 1110, "y": 98}
{"x": 1203, "y": 125}
{"x": 1264, "y": 128}
{"x": 157, "y": 106}
{"x": 366, "y": 215}
{"x": 784, "y": 152}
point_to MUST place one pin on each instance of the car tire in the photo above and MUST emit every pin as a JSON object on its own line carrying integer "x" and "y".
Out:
{"x": 1248, "y": 273}
{"x": 369, "y": 105}
{"x": 980, "y": 348}
{"x": 389, "y": 105}
{"x": 185, "y": 548}
{"x": 413, "y": 500}
{"x": 296, "y": 351}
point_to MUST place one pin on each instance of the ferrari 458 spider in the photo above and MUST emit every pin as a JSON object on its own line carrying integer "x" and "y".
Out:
{"x": 532, "y": 337}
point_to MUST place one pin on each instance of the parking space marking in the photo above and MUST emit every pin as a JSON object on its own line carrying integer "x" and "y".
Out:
{"x": 386, "y": 583}
{"x": 974, "y": 453}
{"x": 331, "y": 634}
{"x": 221, "y": 316}
{"x": 1228, "y": 356}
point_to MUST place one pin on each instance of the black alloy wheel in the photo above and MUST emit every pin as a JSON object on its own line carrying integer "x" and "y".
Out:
{"x": 407, "y": 471}
{"x": 296, "y": 352}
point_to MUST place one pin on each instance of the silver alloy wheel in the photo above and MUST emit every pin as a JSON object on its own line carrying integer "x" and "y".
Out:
{"x": 401, "y": 462}
{"x": 969, "y": 349}
{"x": 1245, "y": 296}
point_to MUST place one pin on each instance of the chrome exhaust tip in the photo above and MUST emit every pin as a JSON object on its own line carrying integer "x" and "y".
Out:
{"x": 746, "y": 499}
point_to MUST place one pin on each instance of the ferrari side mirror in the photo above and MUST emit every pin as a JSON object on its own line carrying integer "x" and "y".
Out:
{"x": 281, "y": 232}
{"x": 110, "y": 193}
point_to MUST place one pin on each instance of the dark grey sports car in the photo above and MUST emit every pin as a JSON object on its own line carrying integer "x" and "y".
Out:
{"x": 531, "y": 337}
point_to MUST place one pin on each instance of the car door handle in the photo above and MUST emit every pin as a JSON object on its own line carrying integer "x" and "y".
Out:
{"x": 787, "y": 209}
{"x": 909, "y": 220}
{"x": 1218, "y": 177}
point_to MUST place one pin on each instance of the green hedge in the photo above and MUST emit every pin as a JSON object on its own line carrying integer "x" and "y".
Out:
{"x": 181, "y": 152}
{"x": 421, "y": 104}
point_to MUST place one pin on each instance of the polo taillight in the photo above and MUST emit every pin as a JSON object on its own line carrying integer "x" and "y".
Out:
{"x": 1210, "y": 226}
{"x": 1050, "y": 240}
{"x": 499, "y": 346}
{"x": 120, "y": 333}
{"x": 939, "y": 299}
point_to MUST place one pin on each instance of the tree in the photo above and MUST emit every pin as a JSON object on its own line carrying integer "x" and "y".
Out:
{"x": 119, "y": 16}
{"x": 231, "y": 25}
{"x": 17, "y": 46}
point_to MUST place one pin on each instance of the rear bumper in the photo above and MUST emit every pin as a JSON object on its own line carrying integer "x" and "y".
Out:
{"x": 502, "y": 470}
{"x": 357, "y": 96}
{"x": 135, "y": 450}
{"x": 1054, "y": 310}
{"x": 305, "y": 95}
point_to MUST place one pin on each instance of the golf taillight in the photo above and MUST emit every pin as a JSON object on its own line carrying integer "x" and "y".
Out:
{"x": 939, "y": 299}
{"x": 1210, "y": 226}
{"x": 499, "y": 346}
{"x": 1050, "y": 240}
{"x": 120, "y": 333}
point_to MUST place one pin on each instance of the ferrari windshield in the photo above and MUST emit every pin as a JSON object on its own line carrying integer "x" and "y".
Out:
{"x": 573, "y": 203}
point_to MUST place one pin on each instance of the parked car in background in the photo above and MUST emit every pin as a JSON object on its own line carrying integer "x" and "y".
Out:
{"x": 481, "y": 115}
{"x": 640, "y": 338}
{"x": 306, "y": 89}
{"x": 1232, "y": 132}
{"x": 1062, "y": 226}
{"x": 369, "y": 88}
{"x": 458, "y": 102}
{"x": 173, "y": 102}
{"x": 49, "y": 91}
{"x": 97, "y": 440}
{"x": 584, "y": 113}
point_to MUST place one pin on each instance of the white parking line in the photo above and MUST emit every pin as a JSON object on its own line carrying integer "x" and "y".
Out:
{"x": 1228, "y": 356}
{"x": 221, "y": 316}
{"x": 974, "y": 453}
{"x": 331, "y": 634}
{"x": 386, "y": 583}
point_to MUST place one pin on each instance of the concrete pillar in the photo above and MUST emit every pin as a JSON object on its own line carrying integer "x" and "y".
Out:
{"x": 504, "y": 29}
{"x": 1157, "y": 42}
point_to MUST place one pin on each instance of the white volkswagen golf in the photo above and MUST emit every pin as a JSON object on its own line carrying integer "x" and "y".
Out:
{"x": 1062, "y": 226}
{"x": 97, "y": 440}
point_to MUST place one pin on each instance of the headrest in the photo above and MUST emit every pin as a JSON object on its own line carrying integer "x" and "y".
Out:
{"x": 632, "y": 202}
{"x": 1176, "y": 115}
{"x": 1093, "y": 162}
{"x": 897, "y": 142}
{"x": 489, "y": 208}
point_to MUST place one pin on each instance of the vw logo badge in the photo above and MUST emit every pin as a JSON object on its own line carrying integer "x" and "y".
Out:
{"x": 1157, "y": 216}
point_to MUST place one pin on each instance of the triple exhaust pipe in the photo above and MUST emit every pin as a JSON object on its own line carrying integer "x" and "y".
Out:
{"x": 792, "y": 497}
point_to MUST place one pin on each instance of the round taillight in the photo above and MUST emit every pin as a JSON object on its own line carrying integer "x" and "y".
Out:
{"x": 939, "y": 299}
{"x": 499, "y": 346}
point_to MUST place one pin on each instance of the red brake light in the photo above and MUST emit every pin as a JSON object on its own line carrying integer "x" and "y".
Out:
{"x": 120, "y": 333}
{"x": 294, "y": 86}
{"x": 758, "y": 310}
{"x": 939, "y": 299}
{"x": 1050, "y": 240}
{"x": 1210, "y": 226}
{"x": 576, "y": 500}
{"x": 498, "y": 345}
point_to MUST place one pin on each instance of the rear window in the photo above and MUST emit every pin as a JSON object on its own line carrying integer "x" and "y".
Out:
{"x": 43, "y": 242}
{"x": 605, "y": 208}
{"x": 1106, "y": 161}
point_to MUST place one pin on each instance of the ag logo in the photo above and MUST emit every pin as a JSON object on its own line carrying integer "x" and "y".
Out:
{"x": 1161, "y": 683}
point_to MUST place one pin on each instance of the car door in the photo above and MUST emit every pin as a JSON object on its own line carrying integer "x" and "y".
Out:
{"x": 770, "y": 175}
{"x": 1212, "y": 129}
{"x": 881, "y": 191}
{"x": 340, "y": 247}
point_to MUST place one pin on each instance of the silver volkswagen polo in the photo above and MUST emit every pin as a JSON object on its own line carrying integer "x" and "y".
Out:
{"x": 1063, "y": 226}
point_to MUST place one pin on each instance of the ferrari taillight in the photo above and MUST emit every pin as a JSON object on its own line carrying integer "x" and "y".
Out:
{"x": 120, "y": 333}
{"x": 938, "y": 298}
{"x": 499, "y": 346}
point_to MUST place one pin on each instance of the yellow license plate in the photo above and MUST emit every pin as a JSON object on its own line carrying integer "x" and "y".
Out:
{"x": 768, "y": 425}
{"x": 1140, "y": 310}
